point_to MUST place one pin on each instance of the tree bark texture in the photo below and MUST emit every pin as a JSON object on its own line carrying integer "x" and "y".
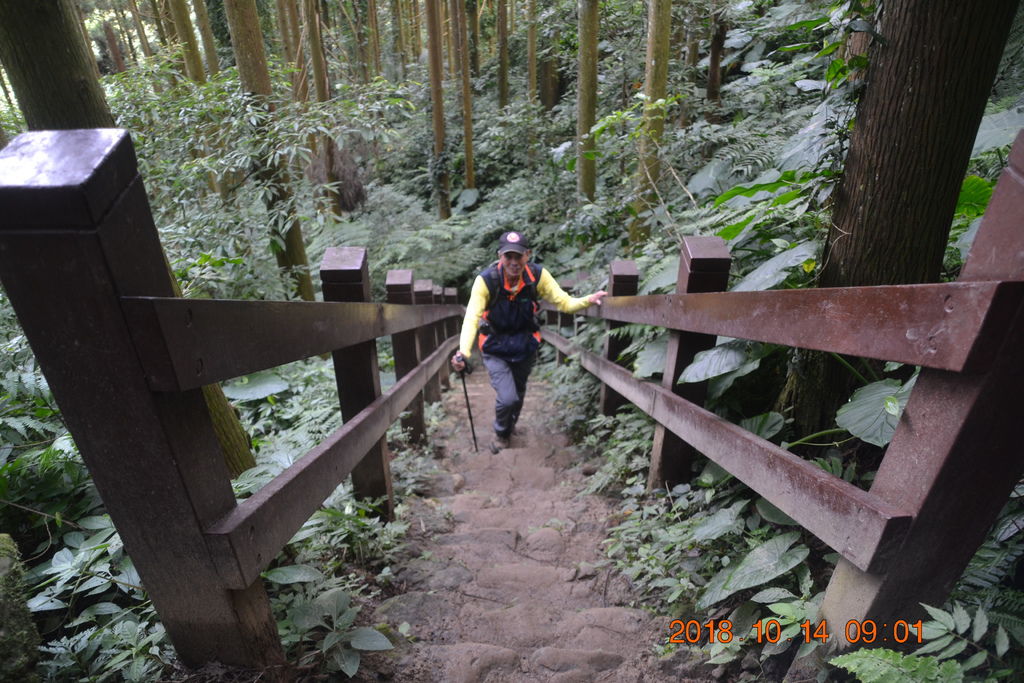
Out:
{"x": 586, "y": 165}
{"x": 659, "y": 25}
{"x": 714, "y": 84}
{"x": 206, "y": 33}
{"x": 113, "y": 47}
{"x": 458, "y": 13}
{"x": 187, "y": 36}
{"x": 502, "y": 54}
{"x": 531, "y": 51}
{"x": 926, "y": 91}
{"x": 474, "y": 36}
{"x": 435, "y": 48}
{"x": 397, "y": 39}
{"x": 56, "y": 88}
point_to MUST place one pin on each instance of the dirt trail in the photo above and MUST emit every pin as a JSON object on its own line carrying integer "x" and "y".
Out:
{"x": 503, "y": 582}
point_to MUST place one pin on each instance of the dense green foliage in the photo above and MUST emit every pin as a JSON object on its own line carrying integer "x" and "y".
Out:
{"x": 760, "y": 177}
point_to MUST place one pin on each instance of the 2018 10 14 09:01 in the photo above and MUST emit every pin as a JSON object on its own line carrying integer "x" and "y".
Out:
{"x": 866, "y": 632}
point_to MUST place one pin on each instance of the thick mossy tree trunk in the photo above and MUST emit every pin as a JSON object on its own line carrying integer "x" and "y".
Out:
{"x": 586, "y": 103}
{"x": 438, "y": 169}
{"x": 894, "y": 204}
{"x": 19, "y": 639}
{"x": 57, "y": 90}
{"x": 659, "y": 24}
{"x": 247, "y": 43}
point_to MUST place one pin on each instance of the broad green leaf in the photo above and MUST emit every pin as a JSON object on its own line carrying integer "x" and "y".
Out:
{"x": 808, "y": 24}
{"x": 782, "y": 180}
{"x": 867, "y": 415}
{"x": 331, "y": 639}
{"x": 941, "y": 616}
{"x": 1002, "y": 641}
{"x": 784, "y": 609}
{"x": 980, "y": 625}
{"x": 306, "y": 616}
{"x": 333, "y": 602}
{"x": 293, "y": 573}
{"x": 975, "y": 193}
{"x": 95, "y": 522}
{"x": 765, "y": 425}
{"x": 934, "y": 645}
{"x": 953, "y": 650}
{"x": 773, "y": 514}
{"x": 346, "y": 661}
{"x": 651, "y": 359}
{"x": 974, "y": 661}
{"x": 365, "y": 638}
{"x": 467, "y": 198}
{"x": 42, "y": 603}
{"x": 772, "y": 595}
{"x": 716, "y": 361}
{"x": 767, "y": 561}
{"x": 961, "y": 618}
{"x": 720, "y": 523}
{"x": 256, "y": 386}
{"x": 774, "y": 270}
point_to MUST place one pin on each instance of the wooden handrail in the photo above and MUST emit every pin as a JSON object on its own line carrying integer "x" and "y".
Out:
{"x": 248, "y": 538}
{"x": 939, "y": 325}
{"x": 862, "y": 528}
{"x": 186, "y": 343}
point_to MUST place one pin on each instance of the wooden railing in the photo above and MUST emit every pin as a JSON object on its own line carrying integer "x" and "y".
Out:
{"x": 956, "y": 454}
{"x": 82, "y": 265}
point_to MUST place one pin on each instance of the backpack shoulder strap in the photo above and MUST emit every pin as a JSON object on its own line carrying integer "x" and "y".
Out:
{"x": 492, "y": 278}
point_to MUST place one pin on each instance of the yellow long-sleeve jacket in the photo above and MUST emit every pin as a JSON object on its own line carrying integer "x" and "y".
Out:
{"x": 547, "y": 289}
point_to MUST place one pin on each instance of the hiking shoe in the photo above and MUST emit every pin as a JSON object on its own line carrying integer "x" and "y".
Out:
{"x": 499, "y": 444}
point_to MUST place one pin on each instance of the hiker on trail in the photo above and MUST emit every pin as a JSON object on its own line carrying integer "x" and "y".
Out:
{"x": 502, "y": 308}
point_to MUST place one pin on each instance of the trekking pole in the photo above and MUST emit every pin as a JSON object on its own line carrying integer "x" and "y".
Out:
{"x": 462, "y": 375}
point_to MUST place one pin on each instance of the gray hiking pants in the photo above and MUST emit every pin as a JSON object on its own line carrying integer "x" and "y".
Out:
{"x": 509, "y": 382}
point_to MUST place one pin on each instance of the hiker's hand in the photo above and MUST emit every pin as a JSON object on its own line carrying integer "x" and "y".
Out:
{"x": 458, "y": 362}
{"x": 596, "y": 297}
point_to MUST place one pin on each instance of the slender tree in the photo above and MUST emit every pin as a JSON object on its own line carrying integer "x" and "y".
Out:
{"x": 190, "y": 49}
{"x": 398, "y": 57}
{"x": 140, "y": 28}
{"x": 458, "y": 13}
{"x": 156, "y": 16}
{"x": 434, "y": 47}
{"x": 113, "y": 48}
{"x": 714, "y": 84}
{"x": 57, "y": 90}
{"x": 531, "y": 51}
{"x": 586, "y": 109}
{"x": 473, "y": 15}
{"x": 659, "y": 23}
{"x": 895, "y": 201}
{"x": 206, "y": 34}
{"x": 247, "y": 43}
{"x": 126, "y": 36}
{"x": 502, "y": 54}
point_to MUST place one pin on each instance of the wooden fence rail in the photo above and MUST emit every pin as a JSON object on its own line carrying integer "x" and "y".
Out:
{"x": 955, "y": 456}
{"x": 82, "y": 265}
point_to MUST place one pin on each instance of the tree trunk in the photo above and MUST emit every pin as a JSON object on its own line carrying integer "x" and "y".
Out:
{"x": 502, "y": 54}
{"x": 113, "y": 48}
{"x": 190, "y": 49}
{"x": 550, "y": 78}
{"x": 140, "y": 28}
{"x": 438, "y": 170}
{"x": 714, "y": 86}
{"x": 417, "y": 29}
{"x": 7, "y": 93}
{"x": 894, "y": 204}
{"x": 57, "y": 90}
{"x": 247, "y": 43}
{"x": 397, "y": 40}
{"x": 161, "y": 31}
{"x": 206, "y": 33}
{"x": 374, "y": 31}
{"x": 474, "y": 36}
{"x": 88, "y": 40}
{"x": 126, "y": 36}
{"x": 659, "y": 24}
{"x": 458, "y": 13}
{"x": 531, "y": 51}
{"x": 586, "y": 164}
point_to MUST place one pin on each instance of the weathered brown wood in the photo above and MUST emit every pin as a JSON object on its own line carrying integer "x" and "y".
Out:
{"x": 703, "y": 267}
{"x": 939, "y": 326}
{"x": 248, "y": 538}
{"x": 862, "y": 527}
{"x": 623, "y": 280}
{"x": 406, "y": 348}
{"x": 451, "y": 325}
{"x": 423, "y": 295}
{"x": 190, "y": 342}
{"x": 76, "y": 233}
{"x": 956, "y": 454}
{"x": 345, "y": 276}
{"x": 439, "y": 334}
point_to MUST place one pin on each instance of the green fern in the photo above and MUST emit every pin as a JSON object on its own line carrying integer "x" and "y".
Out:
{"x": 887, "y": 666}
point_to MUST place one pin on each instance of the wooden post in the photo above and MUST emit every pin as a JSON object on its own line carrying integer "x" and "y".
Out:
{"x": 344, "y": 276}
{"x": 956, "y": 455}
{"x": 440, "y": 335}
{"x": 623, "y": 280}
{"x": 451, "y": 297}
{"x": 76, "y": 234}
{"x": 703, "y": 267}
{"x": 406, "y": 348}
{"x": 423, "y": 293}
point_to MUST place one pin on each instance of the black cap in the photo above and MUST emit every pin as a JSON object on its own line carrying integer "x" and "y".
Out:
{"x": 513, "y": 241}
